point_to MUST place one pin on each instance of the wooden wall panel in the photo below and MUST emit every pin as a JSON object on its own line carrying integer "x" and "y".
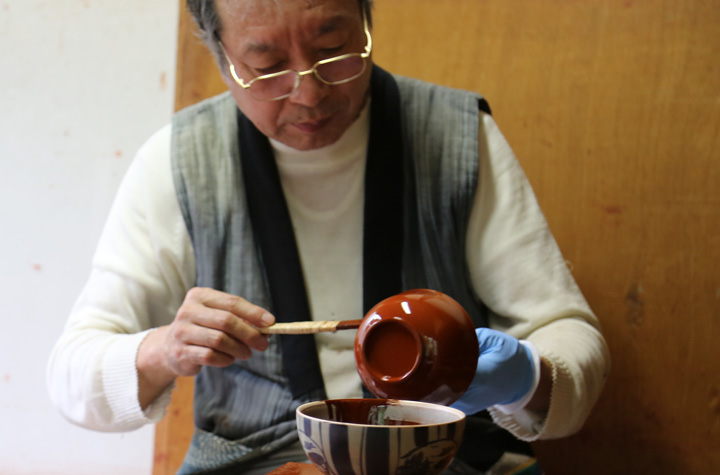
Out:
{"x": 613, "y": 108}
{"x": 197, "y": 76}
{"x": 173, "y": 433}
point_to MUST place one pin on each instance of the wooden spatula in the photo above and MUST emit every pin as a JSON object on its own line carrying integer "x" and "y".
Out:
{"x": 302, "y": 328}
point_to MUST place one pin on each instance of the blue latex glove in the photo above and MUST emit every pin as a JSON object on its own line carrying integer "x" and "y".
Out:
{"x": 505, "y": 374}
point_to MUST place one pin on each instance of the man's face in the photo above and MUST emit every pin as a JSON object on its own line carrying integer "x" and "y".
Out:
{"x": 263, "y": 37}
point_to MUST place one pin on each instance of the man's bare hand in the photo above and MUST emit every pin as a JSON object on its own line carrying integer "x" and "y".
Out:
{"x": 211, "y": 328}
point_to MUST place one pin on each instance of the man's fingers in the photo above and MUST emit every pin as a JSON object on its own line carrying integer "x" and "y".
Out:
{"x": 190, "y": 350}
{"x": 223, "y": 330}
{"x": 223, "y": 343}
{"x": 214, "y": 328}
{"x": 250, "y": 312}
{"x": 253, "y": 314}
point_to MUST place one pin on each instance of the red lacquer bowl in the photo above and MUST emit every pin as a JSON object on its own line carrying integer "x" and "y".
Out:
{"x": 418, "y": 345}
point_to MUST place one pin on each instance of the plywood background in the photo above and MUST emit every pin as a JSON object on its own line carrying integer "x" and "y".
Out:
{"x": 613, "y": 108}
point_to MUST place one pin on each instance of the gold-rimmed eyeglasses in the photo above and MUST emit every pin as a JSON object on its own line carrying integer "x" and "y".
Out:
{"x": 331, "y": 71}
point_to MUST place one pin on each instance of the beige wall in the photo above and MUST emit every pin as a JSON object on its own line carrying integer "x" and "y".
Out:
{"x": 82, "y": 85}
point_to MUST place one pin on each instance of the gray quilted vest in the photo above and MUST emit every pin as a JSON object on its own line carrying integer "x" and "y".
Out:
{"x": 246, "y": 410}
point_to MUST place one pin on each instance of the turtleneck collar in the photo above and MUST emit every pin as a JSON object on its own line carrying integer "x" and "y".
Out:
{"x": 354, "y": 140}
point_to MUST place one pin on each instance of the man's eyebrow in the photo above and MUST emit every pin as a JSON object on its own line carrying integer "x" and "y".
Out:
{"x": 332, "y": 24}
{"x": 257, "y": 48}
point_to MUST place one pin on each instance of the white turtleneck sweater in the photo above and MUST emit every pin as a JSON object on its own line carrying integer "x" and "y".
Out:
{"x": 144, "y": 265}
{"x": 325, "y": 198}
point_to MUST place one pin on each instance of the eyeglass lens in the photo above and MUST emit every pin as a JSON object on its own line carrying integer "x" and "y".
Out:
{"x": 332, "y": 72}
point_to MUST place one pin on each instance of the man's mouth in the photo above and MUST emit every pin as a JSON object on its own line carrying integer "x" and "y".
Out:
{"x": 311, "y": 126}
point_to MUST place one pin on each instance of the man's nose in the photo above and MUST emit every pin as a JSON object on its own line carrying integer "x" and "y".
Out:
{"x": 310, "y": 91}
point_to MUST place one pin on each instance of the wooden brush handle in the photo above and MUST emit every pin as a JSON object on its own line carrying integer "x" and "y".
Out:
{"x": 302, "y": 328}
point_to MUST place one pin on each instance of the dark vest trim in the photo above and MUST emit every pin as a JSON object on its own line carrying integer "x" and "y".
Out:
{"x": 383, "y": 236}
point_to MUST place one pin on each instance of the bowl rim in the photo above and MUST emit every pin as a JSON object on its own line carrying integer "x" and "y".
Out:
{"x": 461, "y": 416}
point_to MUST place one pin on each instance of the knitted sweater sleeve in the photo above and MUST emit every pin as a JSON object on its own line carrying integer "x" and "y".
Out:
{"x": 141, "y": 270}
{"x": 518, "y": 271}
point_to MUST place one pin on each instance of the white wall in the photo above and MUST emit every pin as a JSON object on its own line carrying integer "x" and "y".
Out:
{"x": 82, "y": 84}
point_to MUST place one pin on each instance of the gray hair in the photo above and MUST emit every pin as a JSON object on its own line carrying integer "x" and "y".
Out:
{"x": 208, "y": 22}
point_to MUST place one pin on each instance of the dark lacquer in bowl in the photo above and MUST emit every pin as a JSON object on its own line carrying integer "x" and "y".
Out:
{"x": 417, "y": 345}
{"x": 379, "y": 436}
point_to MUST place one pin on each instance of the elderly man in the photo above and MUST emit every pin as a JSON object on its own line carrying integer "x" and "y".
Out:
{"x": 317, "y": 186}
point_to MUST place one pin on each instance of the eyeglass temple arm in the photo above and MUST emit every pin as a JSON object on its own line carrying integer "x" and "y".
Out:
{"x": 368, "y": 46}
{"x": 231, "y": 66}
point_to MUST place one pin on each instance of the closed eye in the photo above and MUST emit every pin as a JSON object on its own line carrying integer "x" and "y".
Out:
{"x": 328, "y": 52}
{"x": 275, "y": 68}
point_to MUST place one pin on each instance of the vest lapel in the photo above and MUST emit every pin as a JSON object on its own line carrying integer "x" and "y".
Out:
{"x": 384, "y": 186}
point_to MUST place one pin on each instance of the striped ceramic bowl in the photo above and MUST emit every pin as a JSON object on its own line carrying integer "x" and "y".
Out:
{"x": 379, "y": 436}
